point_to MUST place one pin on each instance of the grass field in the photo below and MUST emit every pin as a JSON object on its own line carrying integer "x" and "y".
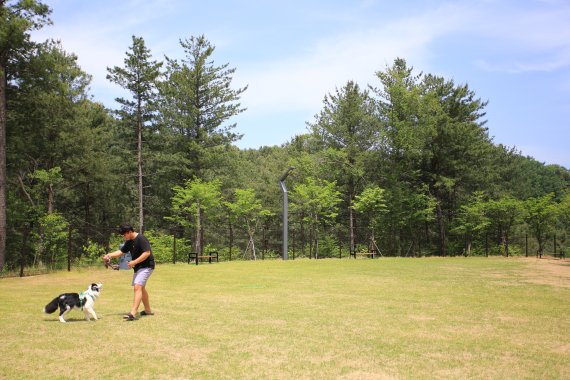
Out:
{"x": 430, "y": 318}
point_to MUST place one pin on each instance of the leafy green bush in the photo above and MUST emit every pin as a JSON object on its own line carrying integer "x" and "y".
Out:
{"x": 163, "y": 247}
{"x": 91, "y": 254}
{"x": 51, "y": 246}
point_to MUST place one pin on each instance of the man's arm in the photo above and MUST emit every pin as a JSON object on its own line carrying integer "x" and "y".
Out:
{"x": 112, "y": 255}
{"x": 139, "y": 259}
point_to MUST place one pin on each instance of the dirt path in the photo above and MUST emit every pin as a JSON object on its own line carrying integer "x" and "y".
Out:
{"x": 549, "y": 271}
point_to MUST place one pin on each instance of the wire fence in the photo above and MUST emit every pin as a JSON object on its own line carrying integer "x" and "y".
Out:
{"x": 85, "y": 246}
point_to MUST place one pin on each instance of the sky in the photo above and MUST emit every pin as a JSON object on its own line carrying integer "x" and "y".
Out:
{"x": 515, "y": 54}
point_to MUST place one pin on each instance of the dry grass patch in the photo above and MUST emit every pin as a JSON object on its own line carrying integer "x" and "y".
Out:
{"x": 548, "y": 271}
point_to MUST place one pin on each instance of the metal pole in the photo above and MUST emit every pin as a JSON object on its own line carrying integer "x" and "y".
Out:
{"x": 285, "y": 222}
{"x": 285, "y": 213}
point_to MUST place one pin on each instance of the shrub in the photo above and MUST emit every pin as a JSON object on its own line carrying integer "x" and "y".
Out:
{"x": 162, "y": 246}
{"x": 92, "y": 253}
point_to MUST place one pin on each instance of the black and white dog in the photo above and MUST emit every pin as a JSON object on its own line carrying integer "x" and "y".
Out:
{"x": 67, "y": 301}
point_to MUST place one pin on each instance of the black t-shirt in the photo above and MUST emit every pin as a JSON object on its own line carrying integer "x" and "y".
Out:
{"x": 137, "y": 247}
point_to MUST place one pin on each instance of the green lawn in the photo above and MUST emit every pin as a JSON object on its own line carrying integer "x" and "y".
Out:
{"x": 430, "y": 318}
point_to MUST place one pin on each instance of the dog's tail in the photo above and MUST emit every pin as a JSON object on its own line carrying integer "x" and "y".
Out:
{"x": 52, "y": 306}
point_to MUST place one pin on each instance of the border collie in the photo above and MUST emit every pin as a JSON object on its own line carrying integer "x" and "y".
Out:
{"x": 67, "y": 301}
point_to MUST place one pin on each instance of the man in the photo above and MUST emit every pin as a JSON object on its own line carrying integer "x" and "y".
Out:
{"x": 142, "y": 263}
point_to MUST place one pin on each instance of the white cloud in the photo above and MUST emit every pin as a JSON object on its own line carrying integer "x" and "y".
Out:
{"x": 528, "y": 40}
{"x": 302, "y": 81}
{"x": 101, "y": 35}
{"x": 288, "y": 75}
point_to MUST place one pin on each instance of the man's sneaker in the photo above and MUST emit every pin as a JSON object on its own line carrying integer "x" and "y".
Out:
{"x": 145, "y": 313}
{"x": 129, "y": 317}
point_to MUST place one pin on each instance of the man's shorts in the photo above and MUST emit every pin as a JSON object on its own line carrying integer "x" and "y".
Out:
{"x": 141, "y": 276}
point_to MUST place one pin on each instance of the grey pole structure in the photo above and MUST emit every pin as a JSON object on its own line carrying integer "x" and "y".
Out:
{"x": 285, "y": 213}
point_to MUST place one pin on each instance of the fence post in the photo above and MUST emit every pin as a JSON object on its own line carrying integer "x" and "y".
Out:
{"x": 293, "y": 243}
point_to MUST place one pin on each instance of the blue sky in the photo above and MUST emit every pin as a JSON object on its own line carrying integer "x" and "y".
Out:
{"x": 513, "y": 53}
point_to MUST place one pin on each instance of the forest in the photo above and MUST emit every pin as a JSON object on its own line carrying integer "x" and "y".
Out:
{"x": 402, "y": 167}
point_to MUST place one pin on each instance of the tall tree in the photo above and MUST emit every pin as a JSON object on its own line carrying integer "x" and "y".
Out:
{"x": 347, "y": 123}
{"x": 317, "y": 201}
{"x": 563, "y": 221}
{"x": 49, "y": 105}
{"x": 504, "y": 214}
{"x": 456, "y": 148}
{"x": 191, "y": 202}
{"x": 540, "y": 216}
{"x": 472, "y": 219}
{"x": 17, "y": 19}
{"x": 139, "y": 76}
{"x": 196, "y": 101}
{"x": 396, "y": 164}
{"x": 524, "y": 177}
{"x": 371, "y": 202}
{"x": 44, "y": 100}
{"x": 247, "y": 209}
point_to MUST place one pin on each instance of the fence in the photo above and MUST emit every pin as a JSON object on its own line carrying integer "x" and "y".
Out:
{"x": 234, "y": 244}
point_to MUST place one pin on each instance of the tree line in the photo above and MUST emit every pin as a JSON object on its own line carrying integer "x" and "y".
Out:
{"x": 404, "y": 166}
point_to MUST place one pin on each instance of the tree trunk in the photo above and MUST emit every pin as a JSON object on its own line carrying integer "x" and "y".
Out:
{"x": 197, "y": 229}
{"x": 69, "y": 231}
{"x": 311, "y": 234}
{"x": 351, "y": 225}
{"x": 317, "y": 246}
{"x": 441, "y": 224}
{"x": 174, "y": 248}
{"x": 231, "y": 231}
{"x": 540, "y": 243}
{"x": 202, "y": 231}
{"x": 302, "y": 231}
{"x": 50, "y": 200}
{"x": 140, "y": 167}
{"x": 505, "y": 243}
{"x": 25, "y": 234}
{"x": 86, "y": 232}
{"x": 252, "y": 247}
{"x": 3, "y": 229}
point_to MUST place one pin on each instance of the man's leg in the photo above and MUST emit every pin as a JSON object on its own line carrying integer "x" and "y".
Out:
{"x": 138, "y": 296}
{"x": 145, "y": 301}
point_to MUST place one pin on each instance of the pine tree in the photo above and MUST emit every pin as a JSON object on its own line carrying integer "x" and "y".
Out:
{"x": 347, "y": 125}
{"x": 196, "y": 102}
{"x": 140, "y": 76}
{"x": 17, "y": 19}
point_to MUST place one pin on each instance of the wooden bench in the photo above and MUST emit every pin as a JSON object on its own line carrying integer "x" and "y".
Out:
{"x": 193, "y": 256}
{"x": 560, "y": 255}
{"x": 370, "y": 255}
